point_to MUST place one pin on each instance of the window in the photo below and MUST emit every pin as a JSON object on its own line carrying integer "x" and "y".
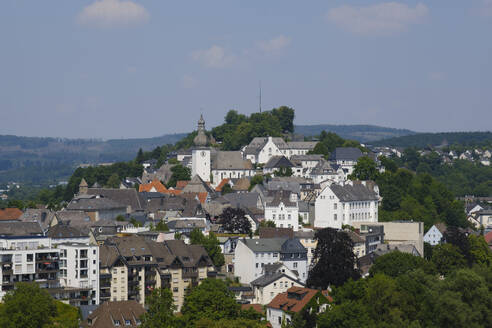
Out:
{"x": 175, "y": 289}
{"x": 334, "y": 206}
{"x": 334, "y": 217}
{"x": 30, "y": 257}
{"x": 295, "y": 264}
{"x": 127, "y": 322}
{"x": 117, "y": 323}
{"x": 256, "y": 265}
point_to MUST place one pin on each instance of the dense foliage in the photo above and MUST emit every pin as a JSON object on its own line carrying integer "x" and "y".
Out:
{"x": 462, "y": 177}
{"x": 238, "y": 129}
{"x": 234, "y": 220}
{"x": 410, "y": 196}
{"x": 333, "y": 259}
{"x": 408, "y": 291}
{"x": 28, "y": 306}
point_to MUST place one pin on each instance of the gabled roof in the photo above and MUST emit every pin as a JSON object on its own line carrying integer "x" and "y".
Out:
{"x": 10, "y": 213}
{"x": 346, "y": 153}
{"x": 94, "y": 204}
{"x": 65, "y": 231}
{"x": 43, "y": 216}
{"x": 241, "y": 184}
{"x": 229, "y": 160}
{"x": 356, "y": 192}
{"x": 296, "y": 298}
{"x": 156, "y": 184}
{"x": 186, "y": 224}
{"x": 108, "y": 313}
{"x": 283, "y": 245}
{"x": 19, "y": 228}
{"x": 257, "y": 144}
{"x": 278, "y": 162}
{"x": 267, "y": 279}
{"x": 196, "y": 184}
{"x": 301, "y": 144}
{"x": 280, "y": 196}
{"x": 221, "y": 184}
{"x": 270, "y": 232}
{"x": 248, "y": 200}
{"x": 126, "y": 197}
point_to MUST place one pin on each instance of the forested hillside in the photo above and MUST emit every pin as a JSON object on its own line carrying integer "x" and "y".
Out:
{"x": 422, "y": 140}
{"x": 361, "y": 133}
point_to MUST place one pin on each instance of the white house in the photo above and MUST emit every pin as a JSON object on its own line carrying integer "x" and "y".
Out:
{"x": 435, "y": 234}
{"x": 346, "y": 157}
{"x": 283, "y": 209}
{"x": 251, "y": 255}
{"x": 277, "y": 278}
{"x": 354, "y": 201}
{"x": 261, "y": 149}
{"x": 229, "y": 165}
{"x": 79, "y": 268}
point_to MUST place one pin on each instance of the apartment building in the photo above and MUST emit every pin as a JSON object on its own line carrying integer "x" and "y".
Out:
{"x": 283, "y": 209}
{"x": 131, "y": 267}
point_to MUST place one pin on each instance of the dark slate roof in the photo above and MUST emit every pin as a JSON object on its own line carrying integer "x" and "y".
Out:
{"x": 248, "y": 200}
{"x": 65, "y": 231}
{"x": 301, "y": 144}
{"x": 19, "y": 228}
{"x": 43, "y": 216}
{"x": 127, "y": 197}
{"x": 278, "y": 162}
{"x": 357, "y": 192}
{"x": 271, "y": 232}
{"x": 94, "y": 204}
{"x": 303, "y": 206}
{"x": 309, "y": 234}
{"x": 280, "y": 196}
{"x": 259, "y": 142}
{"x": 283, "y": 245}
{"x": 267, "y": 279}
{"x": 229, "y": 160}
{"x": 346, "y": 153}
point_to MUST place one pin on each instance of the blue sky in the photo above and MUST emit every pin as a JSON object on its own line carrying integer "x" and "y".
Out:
{"x": 112, "y": 68}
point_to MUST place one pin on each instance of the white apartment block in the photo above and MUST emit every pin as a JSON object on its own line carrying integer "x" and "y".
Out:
{"x": 354, "y": 201}
{"x": 283, "y": 210}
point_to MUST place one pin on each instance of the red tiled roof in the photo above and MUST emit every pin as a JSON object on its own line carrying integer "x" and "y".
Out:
{"x": 181, "y": 184}
{"x": 10, "y": 213}
{"x": 156, "y": 184}
{"x": 285, "y": 303}
{"x": 173, "y": 192}
{"x": 221, "y": 184}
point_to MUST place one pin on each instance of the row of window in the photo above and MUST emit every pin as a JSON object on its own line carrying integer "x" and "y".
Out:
{"x": 282, "y": 217}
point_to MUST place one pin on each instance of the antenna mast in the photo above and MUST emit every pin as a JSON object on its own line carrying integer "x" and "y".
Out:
{"x": 260, "y": 96}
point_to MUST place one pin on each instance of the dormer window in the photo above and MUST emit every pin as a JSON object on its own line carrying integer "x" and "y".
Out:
{"x": 128, "y": 322}
{"x": 117, "y": 323}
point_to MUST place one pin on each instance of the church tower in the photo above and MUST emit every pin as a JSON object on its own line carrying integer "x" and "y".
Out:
{"x": 200, "y": 155}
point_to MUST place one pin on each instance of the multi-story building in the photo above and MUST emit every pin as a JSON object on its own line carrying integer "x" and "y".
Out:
{"x": 28, "y": 255}
{"x": 131, "y": 267}
{"x": 344, "y": 204}
{"x": 283, "y": 209}
{"x": 79, "y": 268}
{"x": 346, "y": 157}
{"x": 276, "y": 278}
{"x": 251, "y": 255}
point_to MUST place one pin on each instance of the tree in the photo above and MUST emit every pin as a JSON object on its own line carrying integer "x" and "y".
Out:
{"x": 234, "y": 220}
{"x": 210, "y": 243}
{"x": 67, "y": 316}
{"x": 113, "y": 181}
{"x": 212, "y": 300}
{"x": 447, "y": 258}
{"x": 160, "y": 310}
{"x": 283, "y": 172}
{"x": 257, "y": 179}
{"x": 161, "y": 226}
{"x": 480, "y": 251}
{"x": 365, "y": 169}
{"x": 333, "y": 260}
{"x": 397, "y": 263}
{"x": 27, "y": 306}
{"x": 140, "y": 156}
{"x": 179, "y": 173}
{"x": 226, "y": 189}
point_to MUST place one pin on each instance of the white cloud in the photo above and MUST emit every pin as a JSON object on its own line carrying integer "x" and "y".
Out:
{"x": 274, "y": 44}
{"x": 214, "y": 57}
{"x": 110, "y": 13}
{"x": 379, "y": 19}
{"x": 188, "y": 81}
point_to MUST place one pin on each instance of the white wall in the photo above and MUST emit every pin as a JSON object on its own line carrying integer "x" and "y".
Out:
{"x": 201, "y": 164}
{"x": 433, "y": 236}
{"x": 283, "y": 216}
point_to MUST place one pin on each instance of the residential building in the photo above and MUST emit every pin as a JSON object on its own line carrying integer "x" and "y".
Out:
{"x": 277, "y": 163}
{"x": 115, "y": 314}
{"x": 97, "y": 207}
{"x": 276, "y": 279}
{"x": 10, "y": 213}
{"x": 484, "y": 218}
{"x": 354, "y": 201}
{"x": 296, "y": 299}
{"x": 346, "y": 157}
{"x": 283, "y": 209}
{"x": 261, "y": 149}
{"x": 435, "y": 234}
{"x": 79, "y": 268}
{"x": 251, "y": 255}
{"x": 230, "y": 165}
{"x": 306, "y": 237}
{"x": 131, "y": 267}
{"x": 373, "y": 236}
{"x": 400, "y": 233}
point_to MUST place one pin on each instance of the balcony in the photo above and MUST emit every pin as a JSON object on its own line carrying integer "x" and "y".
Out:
{"x": 190, "y": 274}
{"x": 105, "y": 284}
{"x": 105, "y": 295}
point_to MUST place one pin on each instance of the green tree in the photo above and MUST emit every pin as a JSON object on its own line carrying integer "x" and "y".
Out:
{"x": 333, "y": 260}
{"x": 179, "y": 173}
{"x": 257, "y": 179}
{"x": 161, "y": 226}
{"x": 365, "y": 169}
{"x": 140, "y": 156}
{"x": 67, "y": 316}
{"x": 447, "y": 258}
{"x": 113, "y": 181}
{"x": 226, "y": 189}
{"x": 397, "y": 263}
{"x": 27, "y": 306}
{"x": 234, "y": 220}
{"x": 212, "y": 300}
{"x": 160, "y": 310}
{"x": 211, "y": 244}
{"x": 480, "y": 251}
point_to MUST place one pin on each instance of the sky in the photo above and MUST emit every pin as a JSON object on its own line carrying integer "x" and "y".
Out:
{"x": 125, "y": 69}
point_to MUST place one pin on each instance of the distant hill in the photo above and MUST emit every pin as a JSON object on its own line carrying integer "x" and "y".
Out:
{"x": 361, "y": 133}
{"x": 422, "y": 140}
{"x": 48, "y": 160}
